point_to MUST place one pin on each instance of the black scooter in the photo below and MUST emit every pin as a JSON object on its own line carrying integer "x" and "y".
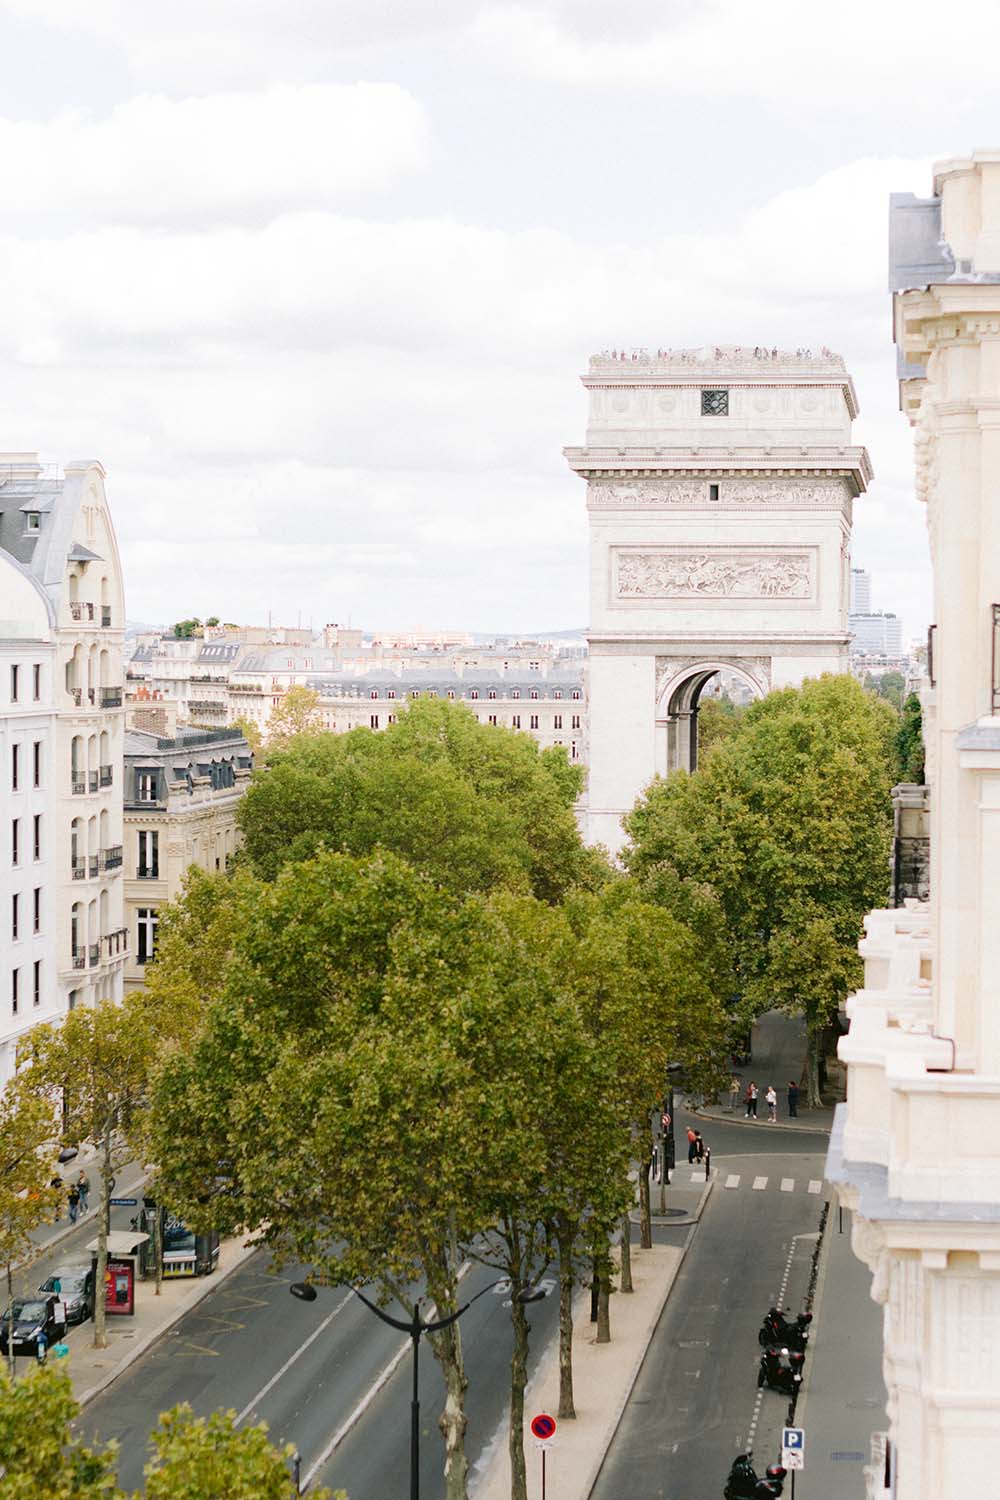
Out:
{"x": 776, "y": 1329}
{"x": 745, "y": 1484}
{"x": 778, "y": 1376}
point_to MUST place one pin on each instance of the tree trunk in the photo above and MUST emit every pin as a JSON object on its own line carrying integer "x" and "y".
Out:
{"x": 564, "y": 1240}
{"x": 453, "y": 1421}
{"x": 813, "y": 1097}
{"x": 626, "y": 1253}
{"x": 100, "y": 1276}
{"x": 157, "y": 1222}
{"x": 10, "y": 1321}
{"x": 604, "y": 1298}
{"x": 645, "y": 1220}
{"x": 518, "y": 1381}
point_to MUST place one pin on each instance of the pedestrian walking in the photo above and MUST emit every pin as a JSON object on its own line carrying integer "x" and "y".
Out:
{"x": 751, "y": 1100}
{"x": 735, "y": 1089}
{"x": 699, "y": 1146}
{"x": 793, "y": 1100}
{"x": 772, "y": 1104}
{"x": 692, "y": 1136}
{"x": 83, "y": 1188}
{"x": 57, "y": 1184}
{"x": 73, "y": 1200}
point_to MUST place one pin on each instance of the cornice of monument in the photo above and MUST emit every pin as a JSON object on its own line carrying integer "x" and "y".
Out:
{"x": 747, "y": 461}
{"x": 729, "y": 364}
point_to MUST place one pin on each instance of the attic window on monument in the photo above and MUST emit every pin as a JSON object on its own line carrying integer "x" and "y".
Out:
{"x": 715, "y": 403}
{"x": 713, "y": 492}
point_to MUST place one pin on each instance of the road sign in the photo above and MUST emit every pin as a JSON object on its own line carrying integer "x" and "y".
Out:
{"x": 543, "y": 1426}
{"x": 666, "y": 1120}
{"x": 793, "y": 1447}
{"x": 123, "y": 1202}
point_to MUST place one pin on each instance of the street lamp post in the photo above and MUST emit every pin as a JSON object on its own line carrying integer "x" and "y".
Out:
{"x": 416, "y": 1326}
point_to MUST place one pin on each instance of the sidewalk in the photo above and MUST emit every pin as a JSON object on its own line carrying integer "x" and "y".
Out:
{"x": 843, "y": 1396}
{"x": 778, "y": 1044}
{"x": 603, "y": 1374}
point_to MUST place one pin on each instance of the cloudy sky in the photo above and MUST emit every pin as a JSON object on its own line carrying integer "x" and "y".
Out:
{"x": 315, "y": 278}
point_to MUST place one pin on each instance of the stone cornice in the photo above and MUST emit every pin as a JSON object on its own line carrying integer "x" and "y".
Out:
{"x": 750, "y": 463}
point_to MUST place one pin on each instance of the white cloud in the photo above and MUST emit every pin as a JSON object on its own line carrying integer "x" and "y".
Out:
{"x": 217, "y": 159}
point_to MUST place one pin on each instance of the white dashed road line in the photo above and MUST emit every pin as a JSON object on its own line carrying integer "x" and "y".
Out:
{"x": 732, "y": 1181}
{"x": 815, "y": 1186}
{"x": 788, "y": 1184}
{"x": 759, "y": 1184}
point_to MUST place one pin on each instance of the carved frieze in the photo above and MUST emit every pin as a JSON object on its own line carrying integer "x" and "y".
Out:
{"x": 731, "y": 494}
{"x": 671, "y": 668}
{"x": 712, "y": 573}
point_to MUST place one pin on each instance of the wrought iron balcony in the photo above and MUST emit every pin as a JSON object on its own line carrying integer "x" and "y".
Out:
{"x": 105, "y": 614}
{"x": 79, "y": 956}
{"x": 117, "y": 942}
{"x": 80, "y": 695}
{"x": 112, "y": 857}
{"x": 82, "y": 611}
{"x": 106, "y": 775}
{"x": 111, "y": 697}
{"x": 79, "y": 869}
{"x": 95, "y": 954}
{"x": 79, "y": 787}
{"x": 93, "y": 779}
{"x": 94, "y": 865}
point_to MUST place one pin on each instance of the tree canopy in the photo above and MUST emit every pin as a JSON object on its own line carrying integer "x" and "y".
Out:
{"x": 472, "y": 805}
{"x": 788, "y": 824}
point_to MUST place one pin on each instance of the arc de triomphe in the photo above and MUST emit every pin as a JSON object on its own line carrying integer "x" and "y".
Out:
{"x": 720, "y": 486}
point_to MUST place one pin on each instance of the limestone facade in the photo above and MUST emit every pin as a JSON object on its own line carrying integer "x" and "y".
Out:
{"x": 916, "y": 1150}
{"x": 181, "y": 798}
{"x": 720, "y": 490}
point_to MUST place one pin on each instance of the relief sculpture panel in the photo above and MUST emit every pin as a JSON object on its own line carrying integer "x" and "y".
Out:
{"x": 733, "y": 494}
{"x": 700, "y": 573}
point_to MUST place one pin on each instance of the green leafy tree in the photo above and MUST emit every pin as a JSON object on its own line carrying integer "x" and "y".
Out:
{"x": 910, "y": 742}
{"x": 201, "y": 1458}
{"x": 212, "y": 620}
{"x": 95, "y": 1065}
{"x": 473, "y": 806}
{"x": 184, "y": 630}
{"x": 250, "y": 732}
{"x": 39, "y": 1454}
{"x": 718, "y": 718}
{"x": 789, "y": 823}
{"x": 887, "y": 685}
{"x": 296, "y": 712}
{"x": 28, "y": 1152}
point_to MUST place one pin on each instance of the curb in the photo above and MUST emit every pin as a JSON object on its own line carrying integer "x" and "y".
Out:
{"x": 735, "y": 1118}
{"x": 595, "y": 1472}
{"x": 825, "y": 1251}
{"x": 204, "y": 1285}
{"x": 666, "y": 1222}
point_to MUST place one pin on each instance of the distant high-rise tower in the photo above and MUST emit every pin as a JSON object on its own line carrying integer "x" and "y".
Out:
{"x": 861, "y": 592}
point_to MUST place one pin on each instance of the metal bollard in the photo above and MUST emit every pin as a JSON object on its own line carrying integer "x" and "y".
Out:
{"x": 708, "y": 1161}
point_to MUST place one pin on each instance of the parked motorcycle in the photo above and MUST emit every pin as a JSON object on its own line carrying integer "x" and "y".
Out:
{"x": 744, "y": 1483}
{"x": 778, "y": 1376}
{"x": 776, "y": 1329}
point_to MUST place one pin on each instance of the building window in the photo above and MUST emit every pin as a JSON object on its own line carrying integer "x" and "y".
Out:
{"x": 36, "y": 915}
{"x": 715, "y": 403}
{"x": 557, "y": 693}
{"x": 515, "y": 692}
{"x": 373, "y": 693}
{"x": 149, "y": 854}
{"x": 37, "y": 840}
{"x": 390, "y": 719}
{"x": 516, "y": 721}
{"x": 713, "y": 492}
{"x": 533, "y": 722}
{"x": 473, "y": 692}
{"x": 148, "y": 920}
{"x": 533, "y": 666}
{"x": 15, "y": 766}
{"x": 373, "y": 721}
{"x": 576, "y": 695}
{"x": 492, "y": 693}
{"x": 557, "y": 721}
{"x": 15, "y": 975}
{"x": 391, "y": 693}
{"x": 15, "y": 841}
{"x": 36, "y": 681}
{"x": 15, "y": 905}
{"x": 413, "y": 694}
{"x": 145, "y": 786}
{"x": 575, "y": 722}
{"x": 492, "y": 720}
{"x": 36, "y": 763}
{"x": 574, "y": 754}
{"x": 15, "y": 673}
{"x": 451, "y": 695}
{"x": 533, "y": 693}
{"x": 32, "y": 520}
{"x": 36, "y": 998}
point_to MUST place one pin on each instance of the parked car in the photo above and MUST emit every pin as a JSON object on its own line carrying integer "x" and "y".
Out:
{"x": 30, "y": 1317}
{"x": 76, "y": 1287}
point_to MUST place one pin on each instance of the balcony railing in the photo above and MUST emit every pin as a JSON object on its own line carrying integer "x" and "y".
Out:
{"x": 82, "y": 611}
{"x": 111, "y": 697}
{"x": 79, "y": 787}
{"x": 79, "y": 869}
{"x": 93, "y": 780}
{"x": 112, "y": 857}
{"x": 79, "y": 956}
{"x": 95, "y": 954}
{"x": 105, "y": 775}
{"x": 94, "y": 865}
{"x": 105, "y": 614}
{"x": 80, "y": 695}
{"x": 117, "y": 942}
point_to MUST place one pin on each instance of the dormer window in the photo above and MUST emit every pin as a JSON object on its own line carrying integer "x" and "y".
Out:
{"x": 32, "y": 521}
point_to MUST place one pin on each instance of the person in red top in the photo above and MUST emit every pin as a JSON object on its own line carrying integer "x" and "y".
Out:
{"x": 692, "y": 1144}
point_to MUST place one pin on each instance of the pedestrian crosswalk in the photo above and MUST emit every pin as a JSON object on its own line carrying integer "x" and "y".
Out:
{"x": 759, "y": 1184}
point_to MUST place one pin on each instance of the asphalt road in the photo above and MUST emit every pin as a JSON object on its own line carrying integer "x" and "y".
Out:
{"x": 694, "y": 1405}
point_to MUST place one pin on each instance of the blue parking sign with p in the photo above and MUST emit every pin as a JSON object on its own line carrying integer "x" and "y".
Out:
{"x": 793, "y": 1438}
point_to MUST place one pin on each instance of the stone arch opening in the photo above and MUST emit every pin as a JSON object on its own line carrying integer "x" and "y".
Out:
{"x": 679, "y": 699}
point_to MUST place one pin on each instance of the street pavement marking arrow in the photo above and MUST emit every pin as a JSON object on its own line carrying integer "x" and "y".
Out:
{"x": 190, "y": 1347}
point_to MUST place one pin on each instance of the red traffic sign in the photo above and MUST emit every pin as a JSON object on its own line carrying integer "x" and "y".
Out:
{"x": 666, "y": 1120}
{"x": 543, "y": 1426}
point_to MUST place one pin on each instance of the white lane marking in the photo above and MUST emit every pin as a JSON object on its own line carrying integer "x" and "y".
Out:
{"x": 814, "y": 1185}
{"x": 732, "y": 1180}
{"x": 759, "y": 1183}
{"x": 292, "y": 1358}
{"x": 788, "y": 1184}
{"x": 698, "y": 1176}
{"x": 383, "y": 1377}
